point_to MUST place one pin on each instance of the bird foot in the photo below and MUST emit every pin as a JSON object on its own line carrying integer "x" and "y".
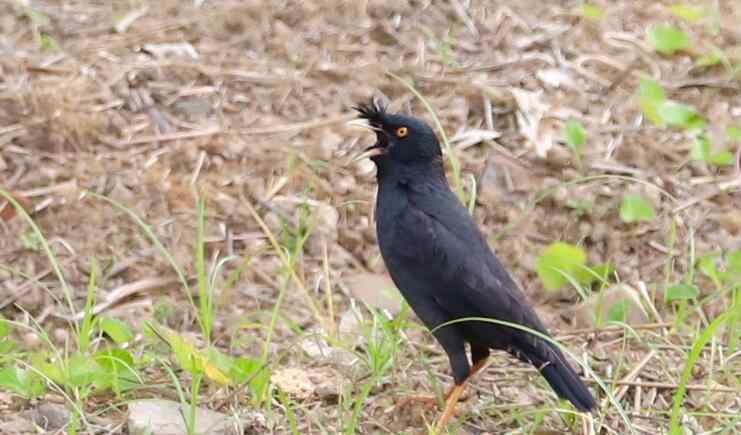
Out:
{"x": 429, "y": 401}
{"x": 426, "y": 401}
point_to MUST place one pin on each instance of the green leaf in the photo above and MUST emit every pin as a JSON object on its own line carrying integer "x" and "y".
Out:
{"x": 722, "y": 158}
{"x": 634, "y": 209}
{"x": 701, "y": 151}
{"x": 557, "y": 259}
{"x": 118, "y": 365}
{"x": 83, "y": 371}
{"x": 679, "y": 115}
{"x": 733, "y": 261}
{"x": 689, "y": 13}
{"x": 46, "y": 42}
{"x": 51, "y": 370}
{"x": 667, "y": 39}
{"x": 115, "y": 358}
{"x": 708, "y": 60}
{"x": 254, "y": 371}
{"x": 574, "y": 135}
{"x": 116, "y": 329}
{"x": 6, "y": 346}
{"x": 582, "y": 206}
{"x": 603, "y": 271}
{"x": 734, "y": 134}
{"x": 591, "y": 11}
{"x": 681, "y": 292}
{"x": 618, "y": 311}
{"x": 709, "y": 267}
{"x": 22, "y": 382}
{"x": 4, "y": 328}
{"x": 650, "y": 97}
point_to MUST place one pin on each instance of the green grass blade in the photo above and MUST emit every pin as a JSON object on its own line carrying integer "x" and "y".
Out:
{"x": 675, "y": 427}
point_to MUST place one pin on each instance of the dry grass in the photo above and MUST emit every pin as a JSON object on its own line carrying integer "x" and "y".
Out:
{"x": 258, "y": 117}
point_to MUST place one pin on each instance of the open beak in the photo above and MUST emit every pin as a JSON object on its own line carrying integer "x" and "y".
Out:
{"x": 374, "y": 150}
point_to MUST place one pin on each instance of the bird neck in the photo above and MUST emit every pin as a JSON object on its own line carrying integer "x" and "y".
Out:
{"x": 423, "y": 171}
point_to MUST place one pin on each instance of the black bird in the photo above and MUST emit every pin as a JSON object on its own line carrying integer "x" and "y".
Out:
{"x": 442, "y": 264}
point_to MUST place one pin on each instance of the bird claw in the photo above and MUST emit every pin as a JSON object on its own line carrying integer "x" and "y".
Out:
{"x": 426, "y": 401}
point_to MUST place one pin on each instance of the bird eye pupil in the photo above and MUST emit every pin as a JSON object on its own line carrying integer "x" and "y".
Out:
{"x": 401, "y": 131}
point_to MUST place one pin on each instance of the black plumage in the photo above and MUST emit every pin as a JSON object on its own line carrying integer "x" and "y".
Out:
{"x": 442, "y": 264}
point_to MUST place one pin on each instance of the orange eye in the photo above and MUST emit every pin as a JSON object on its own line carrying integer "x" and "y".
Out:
{"x": 402, "y": 131}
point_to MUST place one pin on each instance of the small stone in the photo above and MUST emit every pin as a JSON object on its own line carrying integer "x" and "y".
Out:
{"x": 293, "y": 381}
{"x": 31, "y": 340}
{"x": 329, "y": 144}
{"x": 48, "y": 416}
{"x": 165, "y": 417}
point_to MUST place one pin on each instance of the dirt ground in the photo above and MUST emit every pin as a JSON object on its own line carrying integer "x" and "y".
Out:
{"x": 246, "y": 103}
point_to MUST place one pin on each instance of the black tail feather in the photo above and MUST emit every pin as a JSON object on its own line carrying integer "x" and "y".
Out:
{"x": 566, "y": 383}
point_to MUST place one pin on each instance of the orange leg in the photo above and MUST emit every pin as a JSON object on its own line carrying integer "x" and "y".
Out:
{"x": 480, "y": 364}
{"x": 455, "y": 395}
{"x": 431, "y": 401}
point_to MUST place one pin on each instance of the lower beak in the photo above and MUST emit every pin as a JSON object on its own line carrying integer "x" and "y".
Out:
{"x": 371, "y": 151}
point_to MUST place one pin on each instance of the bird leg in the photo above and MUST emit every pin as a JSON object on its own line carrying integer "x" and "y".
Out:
{"x": 454, "y": 395}
{"x": 477, "y": 366}
{"x": 453, "y": 398}
{"x": 430, "y": 401}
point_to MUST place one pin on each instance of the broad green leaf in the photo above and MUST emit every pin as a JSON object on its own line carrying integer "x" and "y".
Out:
{"x": 557, "y": 259}
{"x": 6, "y": 346}
{"x": 20, "y": 381}
{"x": 115, "y": 358}
{"x": 618, "y": 311}
{"x": 51, "y": 370}
{"x": 722, "y": 158}
{"x": 118, "y": 365}
{"x": 681, "y": 292}
{"x": 651, "y": 90}
{"x": 707, "y": 60}
{"x": 46, "y": 42}
{"x": 650, "y": 97}
{"x": 574, "y": 135}
{"x": 667, "y": 39}
{"x": 701, "y": 151}
{"x": 254, "y": 371}
{"x": 709, "y": 267}
{"x": 634, "y": 209}
{"x": 689, "y": 13}
{"x": 191, "y": 359}
{"x": 83, "y": 371}
{"x": 116, "y": 329}
{"x": 734, "y": 133}
{"x": 679, "y": 115}
{"x": 591, "y": 11}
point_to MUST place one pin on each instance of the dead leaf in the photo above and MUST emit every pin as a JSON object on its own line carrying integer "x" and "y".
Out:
{"x": 531, "y": 110}
{"x": 293, "y": 381}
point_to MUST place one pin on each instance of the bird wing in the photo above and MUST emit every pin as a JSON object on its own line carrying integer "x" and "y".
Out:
{"x": 476, "y": 283}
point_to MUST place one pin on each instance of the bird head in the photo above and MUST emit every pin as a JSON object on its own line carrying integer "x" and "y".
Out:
{"x": 399, "y": 138}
